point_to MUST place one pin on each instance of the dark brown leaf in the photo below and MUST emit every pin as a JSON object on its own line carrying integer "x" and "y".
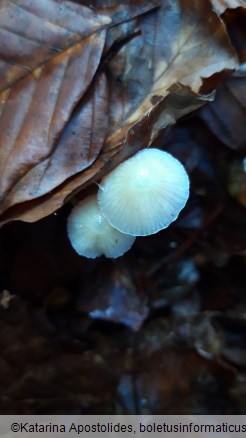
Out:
{"x": 33, "y": 32}
{"x": 226, "y": 115}
{"x": 180, "y": 42}
{"x": 35, "y": 109}
{"x": 76, "y": 149}
{"x": 57, "y": 49}
{"x": 172, "y": 47}
{"x": 235, "y": 20}
{"x": 178, "y": 103}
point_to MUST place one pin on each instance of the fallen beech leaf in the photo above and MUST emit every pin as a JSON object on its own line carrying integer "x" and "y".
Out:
{"x": 181, "y": 42}
{"x": 144, "y": 69}
{"x": 35, "y": 109}
{"x": 226, "y": 115}
{"x": 177, "y": 43}
{"x": 57, "y": 57}
{"x": 178, "y": 103}
{"x": 76, "y": 149}
{"x": 34, "y": 32}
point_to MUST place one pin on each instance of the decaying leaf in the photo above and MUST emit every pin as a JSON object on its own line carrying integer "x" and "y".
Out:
{"x": 47, "y": 64}
{"x": 35, "y": 109}
{"x": 76, "y": 149}
{"x": 32, "y": 33}
{"x": 56, "y": 136}
{"x": 175, "y": 105}
{"x": 178, "y": 43}
{"x": 226, "y": 115}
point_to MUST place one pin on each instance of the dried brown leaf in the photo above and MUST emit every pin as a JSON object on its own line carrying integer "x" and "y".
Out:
{"x": 77, "y": 148}
{"x": 33, "y": 32}
{"x": 178, "y": 103}
{"x": 181, "y": 42}
{"x": 57, "y": 48}
{"x": 35, "y": 109}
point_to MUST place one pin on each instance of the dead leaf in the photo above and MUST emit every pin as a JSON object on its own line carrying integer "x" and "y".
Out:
{"x": 35, "y": 109}
{"x": 120, "y": 12}
{"x": 178, "y": 103}
{"x": 181, "y": 42}
{"x": 77, "y": 148}
{"x": 177, "y": 43}
{"x": 114, "y": 297}
{"x": 226, "y": 115}
{"x": 32, "y": 33}
{"x": 45, "y": 90}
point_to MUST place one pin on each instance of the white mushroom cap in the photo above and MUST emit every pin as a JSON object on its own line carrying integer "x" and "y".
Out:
{"x": 145, "y": 193}
{"x": 91, "y": 235}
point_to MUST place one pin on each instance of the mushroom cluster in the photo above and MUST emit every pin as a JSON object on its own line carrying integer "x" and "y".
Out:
{"x": 141, "y": 196}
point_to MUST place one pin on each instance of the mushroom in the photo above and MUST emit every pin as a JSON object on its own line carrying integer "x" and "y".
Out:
{"x": 91, "y": 235}
{"x": 145, "y": 193}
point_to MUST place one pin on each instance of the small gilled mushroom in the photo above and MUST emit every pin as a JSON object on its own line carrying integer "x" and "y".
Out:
{"x": 145, "y": 193}
{"x": 91, "y": 235}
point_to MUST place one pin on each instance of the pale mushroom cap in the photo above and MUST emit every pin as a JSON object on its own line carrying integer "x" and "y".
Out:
{"x": 145, "y": 193}
{"x": 91, "y": 235}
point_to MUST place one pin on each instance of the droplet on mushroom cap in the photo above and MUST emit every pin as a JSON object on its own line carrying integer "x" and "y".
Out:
{"x": 91, "y": 235}
{"x": 145, "y": 193}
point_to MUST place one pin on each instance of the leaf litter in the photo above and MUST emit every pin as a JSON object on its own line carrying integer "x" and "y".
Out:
{"x": 39, "y": 150}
